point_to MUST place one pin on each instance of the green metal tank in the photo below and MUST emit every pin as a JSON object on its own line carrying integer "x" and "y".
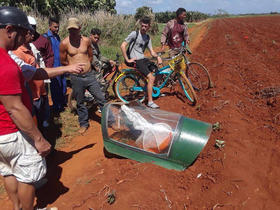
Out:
{"x": 151, "y": 135}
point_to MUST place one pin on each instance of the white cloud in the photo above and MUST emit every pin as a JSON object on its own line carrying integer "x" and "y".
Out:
{"x": 125, "y": 3}
{"x": 155, "y": 1}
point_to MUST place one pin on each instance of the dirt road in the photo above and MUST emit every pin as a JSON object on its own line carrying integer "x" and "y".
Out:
{"x": 242, "y": 55}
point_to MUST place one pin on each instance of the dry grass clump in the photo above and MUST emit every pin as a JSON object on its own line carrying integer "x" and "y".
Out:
{"x": 113, "y": 26}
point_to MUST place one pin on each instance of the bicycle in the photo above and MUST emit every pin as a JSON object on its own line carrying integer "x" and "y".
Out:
{"x": 89, "y": 99}
{"x": 197, "y": 74}
{"x": 132, "y": 85}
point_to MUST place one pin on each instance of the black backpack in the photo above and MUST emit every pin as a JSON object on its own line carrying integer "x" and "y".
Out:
{"x": 132, "y": 43}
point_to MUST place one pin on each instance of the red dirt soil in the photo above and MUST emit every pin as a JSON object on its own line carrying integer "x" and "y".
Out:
{"x": 242, "y": 55}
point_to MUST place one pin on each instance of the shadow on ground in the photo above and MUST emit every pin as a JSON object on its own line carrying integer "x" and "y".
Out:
{"x": 54, "y": 188}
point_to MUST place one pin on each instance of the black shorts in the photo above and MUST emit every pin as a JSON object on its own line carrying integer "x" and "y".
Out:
{"x": 143, "y": 66}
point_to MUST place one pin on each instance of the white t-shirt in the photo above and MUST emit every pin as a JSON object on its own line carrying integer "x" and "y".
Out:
{"x": 138, "y": 48}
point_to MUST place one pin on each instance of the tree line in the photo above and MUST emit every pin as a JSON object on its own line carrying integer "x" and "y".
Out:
{"x": 192, "y": 16}
{"x": 56, "y": 7}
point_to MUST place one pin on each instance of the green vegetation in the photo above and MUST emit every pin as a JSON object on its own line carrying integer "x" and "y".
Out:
{"x": 156, "y": 37}
{"x": 192, "y": 16}
{"x": 56, "y": 7}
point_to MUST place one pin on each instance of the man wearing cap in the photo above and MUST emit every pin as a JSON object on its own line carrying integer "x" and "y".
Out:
{"x": 77, "y": 48}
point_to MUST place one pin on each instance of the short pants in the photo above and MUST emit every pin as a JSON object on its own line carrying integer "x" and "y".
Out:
{"x": 19, "y": 158}
{"x": 143, "y": 66}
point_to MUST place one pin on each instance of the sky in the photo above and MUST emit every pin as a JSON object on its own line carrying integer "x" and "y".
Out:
{"x": 204, "y": 6}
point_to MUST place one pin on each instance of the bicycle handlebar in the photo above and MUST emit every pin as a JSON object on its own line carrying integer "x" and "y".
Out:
{"x": 179, "y": 50}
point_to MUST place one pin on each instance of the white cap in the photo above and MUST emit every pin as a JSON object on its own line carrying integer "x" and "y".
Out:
{"x": 31, "y": 20}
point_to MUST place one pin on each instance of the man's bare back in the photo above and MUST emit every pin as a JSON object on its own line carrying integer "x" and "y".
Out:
{"x": 75, "y": 50}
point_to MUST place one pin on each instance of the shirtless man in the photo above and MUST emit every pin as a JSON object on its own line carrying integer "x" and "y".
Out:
{"x": 77, "y": 49}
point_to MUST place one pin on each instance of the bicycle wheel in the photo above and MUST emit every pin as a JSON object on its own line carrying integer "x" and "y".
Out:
{"x": 187, "y": 89}
{"x": 198, "y": 76}
{"x": 131, "y": 86}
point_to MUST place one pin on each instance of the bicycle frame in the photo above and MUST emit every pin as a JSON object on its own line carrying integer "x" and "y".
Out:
{"x": 161, "y": 71}
{"x": 116, "y": 72}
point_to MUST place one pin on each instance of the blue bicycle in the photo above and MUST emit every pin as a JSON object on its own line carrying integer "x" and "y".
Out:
{"x": 131, "y": 84}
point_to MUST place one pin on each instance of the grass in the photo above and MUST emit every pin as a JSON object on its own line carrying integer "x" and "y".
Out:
{"x": 69, "y": 127}
{"x": 110, "y": 51}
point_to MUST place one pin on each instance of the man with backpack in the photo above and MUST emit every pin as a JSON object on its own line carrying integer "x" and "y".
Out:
{"x": 138, "y": 41}
{"x": 175, "y": 32}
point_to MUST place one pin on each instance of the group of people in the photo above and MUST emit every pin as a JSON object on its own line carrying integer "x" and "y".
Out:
{"x": 29, "y": 61}
{"x": 174, "y": 35}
